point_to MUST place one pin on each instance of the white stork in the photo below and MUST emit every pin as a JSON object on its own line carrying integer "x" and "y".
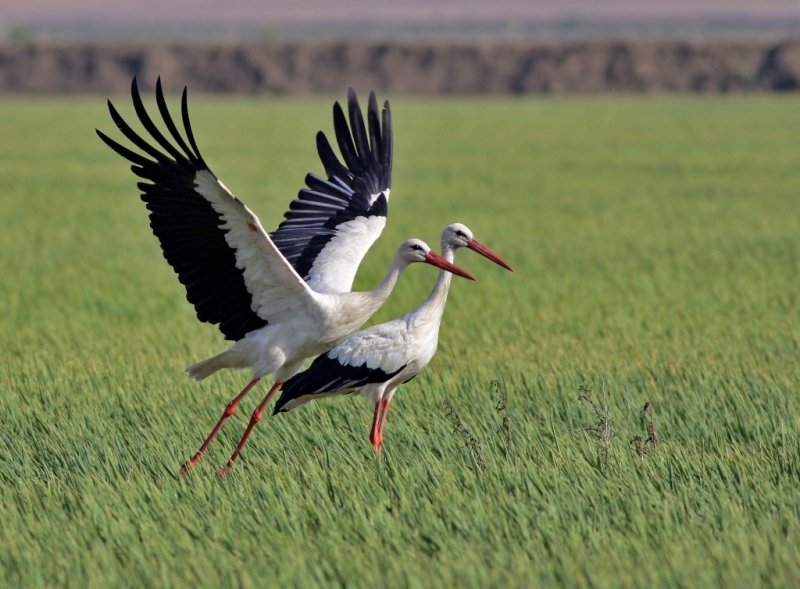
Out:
{"x": 285, "y": 296}
{"x": 377, "y": 360}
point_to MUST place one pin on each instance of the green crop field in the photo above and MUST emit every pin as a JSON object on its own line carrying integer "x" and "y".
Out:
{"x": 656, "y": 244}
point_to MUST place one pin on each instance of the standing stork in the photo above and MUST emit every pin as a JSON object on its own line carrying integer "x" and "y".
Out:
{"x": 377, "y": 360}
{"x": 282, "y": 297}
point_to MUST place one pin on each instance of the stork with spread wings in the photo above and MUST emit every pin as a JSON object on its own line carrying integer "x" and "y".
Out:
{"x": 281, "y": 297}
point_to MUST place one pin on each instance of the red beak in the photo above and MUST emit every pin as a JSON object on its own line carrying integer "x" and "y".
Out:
{"x": 435, "y": 259}
{"x": 477, "y": 246}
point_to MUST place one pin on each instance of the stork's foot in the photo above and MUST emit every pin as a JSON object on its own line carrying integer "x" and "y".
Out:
{"x": 189, "y": 464}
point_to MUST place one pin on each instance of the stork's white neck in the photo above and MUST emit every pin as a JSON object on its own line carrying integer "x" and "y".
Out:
{"x": 432, "y": 307}
{"x": 385, "y": 288}
{"x": 360, "y": 306}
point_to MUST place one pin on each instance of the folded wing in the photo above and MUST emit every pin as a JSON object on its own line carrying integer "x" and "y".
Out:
{"x": 374, "y": 355}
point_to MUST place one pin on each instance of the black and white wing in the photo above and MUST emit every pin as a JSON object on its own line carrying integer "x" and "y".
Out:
{"x": 234, "y": 274}
{"x": 333, "y": 222}
{"x": 374, "y": 355}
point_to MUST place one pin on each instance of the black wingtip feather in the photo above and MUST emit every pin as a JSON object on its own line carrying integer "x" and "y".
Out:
{"x": 187, "y": 125}
{"x": 129, "y": 155}
{"x": 331, "y": 163}
{"x": 357, "y": 127}
{"x": 170, "y": 123}
{"x": 373, "y": 121}
{"x": 133, "y": 137}
{"x": 343, "y": 138}
{"x": 388, "y": 139}
{"x": 150, "y": 126}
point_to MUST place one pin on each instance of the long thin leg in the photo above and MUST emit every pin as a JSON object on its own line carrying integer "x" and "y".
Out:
{"x": 378, "y": 421}
{"x": 373, "y": 433}
{"x": 254, "y": 419}
{"x": 382, "y": 421}
{"x": 230, "y": 409}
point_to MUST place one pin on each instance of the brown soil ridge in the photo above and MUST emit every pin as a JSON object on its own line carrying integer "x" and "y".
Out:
{"x": 587, "y": 67}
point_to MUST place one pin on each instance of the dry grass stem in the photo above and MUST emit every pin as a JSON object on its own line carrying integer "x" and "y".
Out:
{"x": 471, "y": 442}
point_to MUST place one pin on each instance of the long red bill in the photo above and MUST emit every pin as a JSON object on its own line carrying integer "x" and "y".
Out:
{"x": 435, "y": 259}
{"x": 477, "y": 246}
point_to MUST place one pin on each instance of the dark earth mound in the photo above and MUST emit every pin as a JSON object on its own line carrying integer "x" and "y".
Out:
{"x": 410, "y": 68}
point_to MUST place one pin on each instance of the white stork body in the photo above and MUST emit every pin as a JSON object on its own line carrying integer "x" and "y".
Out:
{"x": 305, "y": 323}
{"x": 377, "y": 360}
{"x": 282, "y": 297}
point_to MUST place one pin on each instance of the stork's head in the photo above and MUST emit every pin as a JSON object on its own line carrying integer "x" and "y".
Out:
{"x": 458, "y": 235}
{"x": 416, "y": 250}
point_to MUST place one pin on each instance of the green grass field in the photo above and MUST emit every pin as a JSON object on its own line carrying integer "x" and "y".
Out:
{"x": 656, "y": 244}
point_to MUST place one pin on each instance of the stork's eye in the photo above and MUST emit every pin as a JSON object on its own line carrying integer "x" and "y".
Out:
{"x": 461, "y": 233}
{"x": 416, "y": 247}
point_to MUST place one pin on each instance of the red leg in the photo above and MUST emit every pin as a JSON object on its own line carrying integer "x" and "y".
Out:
{"x": 231, "y": 409}
{"x": 378, "y": 421}
{"x": 254, "y": 419}
{"x": 373, "y": 433}
{"x": 382, "y": 421}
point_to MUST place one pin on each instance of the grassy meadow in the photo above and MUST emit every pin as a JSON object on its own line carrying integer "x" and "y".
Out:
{"x": 656, "y": 243}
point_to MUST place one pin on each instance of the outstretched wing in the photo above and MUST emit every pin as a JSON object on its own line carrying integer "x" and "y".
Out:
{"x": 374, "y": 355}
{"x": 332, "y": 223}
{"x": 234, "y": 274}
